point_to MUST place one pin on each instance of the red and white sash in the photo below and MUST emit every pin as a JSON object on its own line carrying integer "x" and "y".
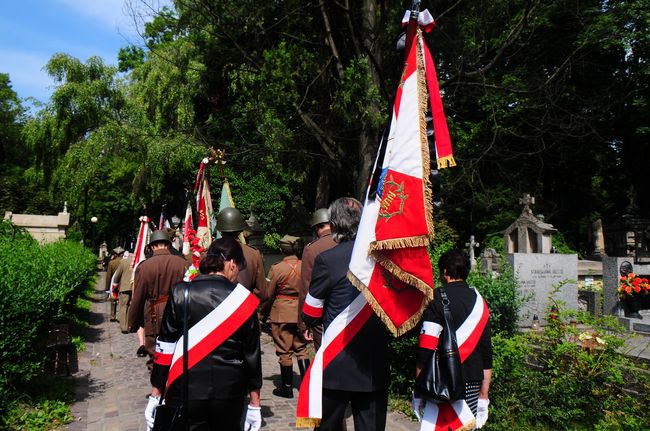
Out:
{"x": 457, "y": 414}
{"x": 338, "y": 334}
{"x": 208, "y": 333}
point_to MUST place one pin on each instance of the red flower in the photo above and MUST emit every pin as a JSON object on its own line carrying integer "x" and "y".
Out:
{"x": 637, "y": 289}
{"x": 628, "y": 289}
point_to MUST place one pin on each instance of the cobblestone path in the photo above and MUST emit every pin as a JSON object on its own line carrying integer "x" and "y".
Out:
{"x": 114, "y": 382}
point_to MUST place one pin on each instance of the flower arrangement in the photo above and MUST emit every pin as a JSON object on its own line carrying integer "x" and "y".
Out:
{"x": 632, "y": 285}
{"x": 197, "y": 251}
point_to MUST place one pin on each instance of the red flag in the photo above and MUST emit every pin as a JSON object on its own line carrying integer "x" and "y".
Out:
{"x": 390, "y": 264}
{"x": 188, "y": 227}
{"x": 143, "y": 240}
{"x": 204, "y": 206}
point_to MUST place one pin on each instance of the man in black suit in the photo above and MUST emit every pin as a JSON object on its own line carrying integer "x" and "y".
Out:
{"x": 358, "y": 375}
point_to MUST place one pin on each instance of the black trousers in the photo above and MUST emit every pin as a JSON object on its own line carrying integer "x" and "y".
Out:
{"x": 368, "y": 409}
{"x": 215, "y": 415}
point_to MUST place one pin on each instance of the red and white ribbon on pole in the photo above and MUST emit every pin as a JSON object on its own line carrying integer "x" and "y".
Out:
{"x": 338, "y": 334}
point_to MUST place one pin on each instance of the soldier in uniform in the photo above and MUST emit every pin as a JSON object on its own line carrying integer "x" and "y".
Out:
{"x": 116, "y": 258}
{"x": 283, "y": 289}
{"x": 231, "y": 223}
{"x": 123, "y": 278}
{"x": 320, "y": 223}
{"x": 153, "y": 279}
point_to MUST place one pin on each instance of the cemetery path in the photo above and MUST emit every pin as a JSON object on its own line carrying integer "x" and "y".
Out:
{"x": 113, "y": 382}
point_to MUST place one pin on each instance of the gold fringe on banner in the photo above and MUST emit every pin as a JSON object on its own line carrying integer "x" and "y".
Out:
{"x": 470, "y": 426}
{"x": 424, "y": 143}
{"x": 446, "y": 162}
{"x": 307, "y": 422}
{"x": 405, "y": 327}
{"x": 397, "y": 243}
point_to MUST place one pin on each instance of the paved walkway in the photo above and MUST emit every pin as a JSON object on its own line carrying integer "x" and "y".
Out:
{"x": 113, "y": 382}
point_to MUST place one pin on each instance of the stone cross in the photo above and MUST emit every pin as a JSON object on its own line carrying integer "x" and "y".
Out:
{"x": 527, "y": 200}
{"x": 472, "y": 245}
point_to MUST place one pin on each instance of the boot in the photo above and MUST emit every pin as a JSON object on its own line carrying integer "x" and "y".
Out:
{"x": 286, "y": 388}
{"x": 303, "y": 365}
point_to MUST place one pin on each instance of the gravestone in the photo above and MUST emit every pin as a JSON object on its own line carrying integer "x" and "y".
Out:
{"x": 43, "y": 228}
{"x": 538, "y": 274}
{"x": 529, "y": 233}
{"x": 472, "y": 245}
{"x": 611, "y": 281}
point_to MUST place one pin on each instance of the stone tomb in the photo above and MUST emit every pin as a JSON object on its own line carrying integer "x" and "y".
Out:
{"x": 538, "y": 275}
{"x": 44, "y": 228}
{"x": 611, "y": 281}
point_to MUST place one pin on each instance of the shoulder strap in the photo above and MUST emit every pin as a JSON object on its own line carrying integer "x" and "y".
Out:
{"x": 186, "y": 377}
{"x": 447, "y": 312}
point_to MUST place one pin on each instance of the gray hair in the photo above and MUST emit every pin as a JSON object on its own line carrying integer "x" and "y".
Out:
{"x": 345, "y": 214}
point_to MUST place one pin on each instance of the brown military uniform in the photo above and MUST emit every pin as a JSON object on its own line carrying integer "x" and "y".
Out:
{"x": 309, "y": 254}
{"x": 252, "y": 277}
{"x": 153, "y": 279}
{"x": 124, "y": 276}
{"x": 283, "y": 288}
{"x": 110, "y": 271}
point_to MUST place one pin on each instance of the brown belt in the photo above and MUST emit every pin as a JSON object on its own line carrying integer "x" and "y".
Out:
{"x": 293, "y": 298}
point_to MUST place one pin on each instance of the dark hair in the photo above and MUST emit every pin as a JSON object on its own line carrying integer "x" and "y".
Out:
{"x": 345, "y": 214}
{"x": 456, "y": 263}
{"x": 219, "y": 252}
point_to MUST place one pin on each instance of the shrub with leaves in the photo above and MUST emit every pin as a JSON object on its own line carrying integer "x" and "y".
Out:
{"x": 38, "y": 286}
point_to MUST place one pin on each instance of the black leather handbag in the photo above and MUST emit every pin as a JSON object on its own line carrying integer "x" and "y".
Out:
{"x": 174, "y": 418}
{"x": 441, "y": 378}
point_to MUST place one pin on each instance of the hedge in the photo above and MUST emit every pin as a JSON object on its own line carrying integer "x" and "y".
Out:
{"x": 39, "y": 285}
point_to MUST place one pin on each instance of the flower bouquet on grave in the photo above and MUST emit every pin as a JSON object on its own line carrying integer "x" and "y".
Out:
{"x": 631, "y": 291}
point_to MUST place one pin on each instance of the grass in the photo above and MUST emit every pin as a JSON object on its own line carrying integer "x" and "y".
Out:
{"x": 44, "y": 407}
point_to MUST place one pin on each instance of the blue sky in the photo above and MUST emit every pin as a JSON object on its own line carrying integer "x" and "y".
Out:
{"x": 31, "y": 31}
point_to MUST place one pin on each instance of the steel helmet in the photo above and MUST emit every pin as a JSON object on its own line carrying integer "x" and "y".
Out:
{"x": 230, "y": 220}
{"x": 320, "y": 216}
{"x": 159, "y": 236}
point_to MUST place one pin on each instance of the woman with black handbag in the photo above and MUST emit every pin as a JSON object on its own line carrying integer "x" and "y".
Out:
{"x": 221, "y": 355}
{"x": 466, "y": 357}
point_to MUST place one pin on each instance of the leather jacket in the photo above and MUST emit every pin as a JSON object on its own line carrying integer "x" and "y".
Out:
{"x": 232, "y": 369}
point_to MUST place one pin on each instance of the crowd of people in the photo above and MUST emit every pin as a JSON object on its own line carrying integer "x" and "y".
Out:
{"x": 202, "y": 336}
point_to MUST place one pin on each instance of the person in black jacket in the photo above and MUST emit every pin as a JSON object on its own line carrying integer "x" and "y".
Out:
{"x": 218, "y": 383}
{"x": 454, "y": 267}
{"x": 358, "y": 375}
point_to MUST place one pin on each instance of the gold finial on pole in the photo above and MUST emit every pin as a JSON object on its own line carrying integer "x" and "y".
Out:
{"x": 219, "y": 157}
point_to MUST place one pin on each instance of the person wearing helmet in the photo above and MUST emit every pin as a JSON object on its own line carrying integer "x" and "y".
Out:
{"x": 153, "y": 279}
{"x": 320, "y": 223}
{"x": 231, "y": 223}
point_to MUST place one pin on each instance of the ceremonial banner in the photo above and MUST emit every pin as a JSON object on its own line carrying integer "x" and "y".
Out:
{"x": 390, "y": 264}
{"x": 141, "y": 243}
{"x": 203, "y": 206}
{"x": 454, "y": 416}
{"x": 188, "y": 226}
{"x": 227, "y": 202}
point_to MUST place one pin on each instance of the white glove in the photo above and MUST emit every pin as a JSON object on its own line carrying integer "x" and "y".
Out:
{"x": 418, "y": 405}
{"x": 253, "y": 418}
{"x": 482, "y": 412}
{"x": 150, "y": 410}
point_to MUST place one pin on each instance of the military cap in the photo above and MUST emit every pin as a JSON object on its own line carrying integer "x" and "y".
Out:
{"x": 118, "y": 250}
{"x": 288, "y": 243}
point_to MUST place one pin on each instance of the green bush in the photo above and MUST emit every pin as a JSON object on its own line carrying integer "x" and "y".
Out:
{"x": 551, "y": 381}
{"x": 39, "y": 286}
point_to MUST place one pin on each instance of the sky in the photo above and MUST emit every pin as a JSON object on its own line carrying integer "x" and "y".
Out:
{"x": 31, "y": 31}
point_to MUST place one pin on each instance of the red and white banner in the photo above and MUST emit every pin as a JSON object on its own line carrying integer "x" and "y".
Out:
{"x": 203, "y": 205}
{"x": 142, "y": 241}
{"x": 454, "y": 416}
{"x": 390, "y": 263}
{"x": 188, "y": 226}
{"x": 338, "y": 334}
{"x": 208, "y": 333}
